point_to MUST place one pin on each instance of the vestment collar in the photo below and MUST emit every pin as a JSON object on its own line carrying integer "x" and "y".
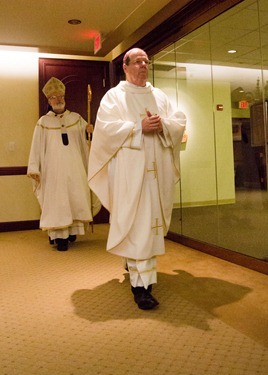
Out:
{"x": 60, "y": 115}
{"x": 130, "y": 87}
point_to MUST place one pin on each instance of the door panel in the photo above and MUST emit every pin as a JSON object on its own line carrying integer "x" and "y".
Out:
{"x": 76, "y": 75}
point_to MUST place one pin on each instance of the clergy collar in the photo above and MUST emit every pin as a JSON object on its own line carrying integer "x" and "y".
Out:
{"x": 128, "y": 86}
{"x": 133, "y": 85}
{"x": 58, "y": 115}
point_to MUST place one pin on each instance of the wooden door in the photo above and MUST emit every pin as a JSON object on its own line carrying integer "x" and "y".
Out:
{"x": 77, "y": 75}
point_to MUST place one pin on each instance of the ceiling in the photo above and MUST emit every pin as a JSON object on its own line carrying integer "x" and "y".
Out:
{"x": 243, "y": 28}
{"x": 43, "y": 24}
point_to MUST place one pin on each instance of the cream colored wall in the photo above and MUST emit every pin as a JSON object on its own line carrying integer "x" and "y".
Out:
{"x": 19, "y": 203}
{"x": 207, "y": 168}
{"x": 19, "y": 113}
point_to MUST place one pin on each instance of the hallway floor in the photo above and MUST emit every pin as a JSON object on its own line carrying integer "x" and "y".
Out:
{"x": 72, "y": 313}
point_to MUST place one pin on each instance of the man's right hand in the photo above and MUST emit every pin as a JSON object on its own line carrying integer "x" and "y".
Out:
{"x": 36, "y": 177}
{"x": 151, "y": 123}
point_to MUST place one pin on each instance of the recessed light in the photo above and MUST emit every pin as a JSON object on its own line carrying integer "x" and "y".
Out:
{"x": 232, "y": 51}
{"x": 74, "y": 22}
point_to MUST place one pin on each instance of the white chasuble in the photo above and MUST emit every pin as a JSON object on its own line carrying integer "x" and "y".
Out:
{"x": 145, "y": 235}
{"x": 132, "y": 173}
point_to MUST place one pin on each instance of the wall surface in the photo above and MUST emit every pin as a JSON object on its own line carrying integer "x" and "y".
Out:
{"x": 207, "y": 166}
{"x": 19, "y": 114}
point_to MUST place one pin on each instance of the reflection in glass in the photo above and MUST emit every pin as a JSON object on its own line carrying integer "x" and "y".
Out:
{"x": 222, "y": 197}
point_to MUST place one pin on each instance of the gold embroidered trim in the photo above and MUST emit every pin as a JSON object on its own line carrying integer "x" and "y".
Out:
{"x": 131, "y": 136}
{"x": 58, "y": 127}
{"x": 156, "y": 227}
{"x": 154, "y": 169}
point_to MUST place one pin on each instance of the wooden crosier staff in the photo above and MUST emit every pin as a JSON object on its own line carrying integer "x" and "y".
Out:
{"x": 89, "y": 98}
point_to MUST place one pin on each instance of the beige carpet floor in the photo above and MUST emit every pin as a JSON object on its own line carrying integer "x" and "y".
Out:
{"x": 72, "y": 313}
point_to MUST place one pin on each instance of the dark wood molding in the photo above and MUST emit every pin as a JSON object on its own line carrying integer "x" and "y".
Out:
{"x": 13, "y": 226}
{"x": 13, "y": 171}
{"x": 255, "y": 264}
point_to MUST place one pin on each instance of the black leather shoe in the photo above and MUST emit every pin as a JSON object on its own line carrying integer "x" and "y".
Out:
{"x": 72, "y": 238}
{"x": 154, "y": 300}
{"x": 51, "y": 241}
{"x": 62, "y": 244}
{"x": 144, "y": 299}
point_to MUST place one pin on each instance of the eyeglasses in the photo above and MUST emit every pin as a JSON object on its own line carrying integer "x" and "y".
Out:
{"x": 140, "y": 62}
{"x": 60, "y": 97}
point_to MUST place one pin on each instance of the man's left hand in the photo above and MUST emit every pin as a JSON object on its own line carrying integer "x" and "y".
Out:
{"x": 89, "y": 128}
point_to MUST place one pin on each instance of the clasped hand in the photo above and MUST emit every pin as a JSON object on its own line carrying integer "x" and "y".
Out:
{"x": 151, "y": 123}
{"x": 89, "y": 128}
{"x": 36, "y": 177}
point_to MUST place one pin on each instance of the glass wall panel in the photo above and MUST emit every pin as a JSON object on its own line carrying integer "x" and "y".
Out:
{"x": 165, "y": 74}
{"x": 218, "y": 75}
{"x": 240, "y": 221}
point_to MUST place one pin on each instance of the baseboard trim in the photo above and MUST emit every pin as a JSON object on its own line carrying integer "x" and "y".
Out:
{"x": 222, "y": 253}
{"x": 12, "y": 226}
{"x": 13, "y": 171}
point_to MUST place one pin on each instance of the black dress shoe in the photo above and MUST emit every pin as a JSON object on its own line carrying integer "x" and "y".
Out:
{"x": 143, "y": 298}
{"x": 62, "y": 244}
{"x": 51, "y": 241}
{"x": 72, "y": 238}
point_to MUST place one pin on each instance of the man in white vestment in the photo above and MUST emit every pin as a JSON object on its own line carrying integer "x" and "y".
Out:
{"x": 58, "y": 164}
{"x": 133, "y": 168}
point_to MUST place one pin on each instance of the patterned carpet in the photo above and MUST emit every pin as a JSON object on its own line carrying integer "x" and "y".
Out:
{"x": 72, "y": 313}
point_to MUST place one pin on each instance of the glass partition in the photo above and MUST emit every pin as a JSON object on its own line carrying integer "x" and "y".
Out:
{"x": 218, "y": 76}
